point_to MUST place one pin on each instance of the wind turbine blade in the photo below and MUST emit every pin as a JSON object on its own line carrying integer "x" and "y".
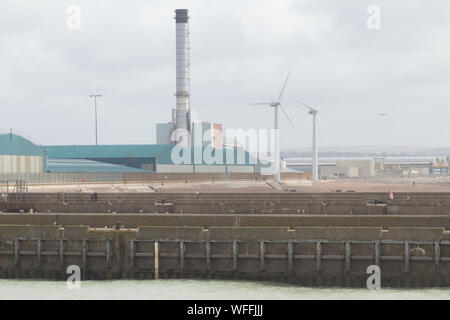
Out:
{"x": 305, "y": 105}
{"x": 284, "y": 86}
{"x": 261, "y": 103}
{"x": 323, "y": 102}
{"x": 287, "y": 117}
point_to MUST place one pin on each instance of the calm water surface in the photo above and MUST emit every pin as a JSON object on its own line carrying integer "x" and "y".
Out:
{"x": 198, "y": 289}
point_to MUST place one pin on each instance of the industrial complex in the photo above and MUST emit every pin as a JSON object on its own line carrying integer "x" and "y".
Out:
{"x": 185, "y": 145}
{"x": 138, "y": 228}
{"x": 19, "y": 156}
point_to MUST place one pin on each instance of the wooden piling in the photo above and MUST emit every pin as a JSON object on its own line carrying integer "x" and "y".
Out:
{"x": 290, "y": 256}
{"x": 319, "y": 255}
{"x": 262, "y": 256}
{"x": 156, "y": 254}
{"x": 348, "y": 256}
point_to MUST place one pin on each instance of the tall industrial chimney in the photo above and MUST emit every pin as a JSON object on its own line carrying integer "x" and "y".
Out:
{"x": 182, "y": 119}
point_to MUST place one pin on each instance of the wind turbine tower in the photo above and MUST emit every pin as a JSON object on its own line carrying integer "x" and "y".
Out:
{"x": 315, "y": 167}
{"x": 314, "y": 111}
{"x": 276, "y": 145}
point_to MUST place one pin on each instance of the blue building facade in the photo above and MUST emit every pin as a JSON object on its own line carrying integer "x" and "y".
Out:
{"x": 145, "y": 157}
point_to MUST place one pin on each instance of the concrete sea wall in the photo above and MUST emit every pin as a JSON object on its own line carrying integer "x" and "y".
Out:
{"x": 308, "y": 239}
{"x": 228, "y": 203}
{"x": 307, "y": 255}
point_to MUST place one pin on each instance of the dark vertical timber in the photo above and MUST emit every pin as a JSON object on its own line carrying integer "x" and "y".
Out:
{"x": 84, "y": 257}
{"x": 16, "y": 255}
{"x": 406, "y": 256}
{"x": 262, "y": 256}
{"x": 437, "y": 253}
{"x": 208, "y": 256}
{"x": 39, "y": 251}
{"x": 38, "y": 272}
{"x": 348, "y": 256}
{"x": 61, "y": 253}
{"x": 182, "y": 250}
{"x": 235, "y": 255}
{"x": 377, "y": 253}
{"x": 318, "y": 255}
{"x": 108, "y": 254}
{"x": 290, "y": 257}
{"x": 132, "y": 257}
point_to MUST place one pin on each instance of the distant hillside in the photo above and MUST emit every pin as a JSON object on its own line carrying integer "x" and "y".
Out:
{"x": 370, "y": 151}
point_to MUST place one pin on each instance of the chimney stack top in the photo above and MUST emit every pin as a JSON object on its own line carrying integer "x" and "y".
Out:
{"x": 181, "y": 15}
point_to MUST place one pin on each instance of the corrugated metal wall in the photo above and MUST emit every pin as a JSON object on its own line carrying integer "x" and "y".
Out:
{"x": 20, "y": 164}
{"x": 200, "y": 168}
{"x": 64, "y": 177}
{"x": 61, "y": 177}
{"x": 71, "y": 177}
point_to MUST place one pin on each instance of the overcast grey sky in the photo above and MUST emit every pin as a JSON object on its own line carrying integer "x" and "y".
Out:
{"x": 241, "y": 52}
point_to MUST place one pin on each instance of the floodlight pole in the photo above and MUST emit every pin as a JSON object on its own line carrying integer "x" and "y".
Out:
{"x": 95, "y": 96}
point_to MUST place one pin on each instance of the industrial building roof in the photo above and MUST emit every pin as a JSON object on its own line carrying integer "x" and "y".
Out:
{"x": 162, "y": 153}
{"x": 105, "y": 151}
{"x": 13, "y": 144}
{"x": 82, "y": 165}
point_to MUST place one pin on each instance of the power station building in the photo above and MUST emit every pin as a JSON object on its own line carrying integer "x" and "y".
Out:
{"x": 160, "y": 158}
{"x": 182, "y": 129}
{"x": 183, "y": 145}
{"x": 203, "y": 133}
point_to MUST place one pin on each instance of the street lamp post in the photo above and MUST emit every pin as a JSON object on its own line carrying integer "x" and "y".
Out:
{"x": 95, "y": 96}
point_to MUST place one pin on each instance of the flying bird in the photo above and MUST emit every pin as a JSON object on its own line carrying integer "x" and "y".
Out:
{"x": 382, "y": 114}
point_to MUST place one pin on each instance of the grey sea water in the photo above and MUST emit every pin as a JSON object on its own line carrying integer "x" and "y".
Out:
{"x": 201, "y": 290}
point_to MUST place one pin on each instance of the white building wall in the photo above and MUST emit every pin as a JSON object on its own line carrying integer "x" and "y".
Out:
{"x": 40, "y": 164}
{"x": 13, "y": 164}
{"x": 28, "y": 164}
{"x": 33, "y": 165}
{"x": 241, "y": 169}
{"x": 210, "y": 168}
{"x": 350, "y": 172}
{"x": 21, "y": 164}
{"x": 6, "y": 164}
{"x": 366, "y": 167}
{"x": 175, "y": 168}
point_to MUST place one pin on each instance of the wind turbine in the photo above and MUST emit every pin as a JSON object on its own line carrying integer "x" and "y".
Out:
{"x": 314, "y": 111}
{"x": 275, "y": 105}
